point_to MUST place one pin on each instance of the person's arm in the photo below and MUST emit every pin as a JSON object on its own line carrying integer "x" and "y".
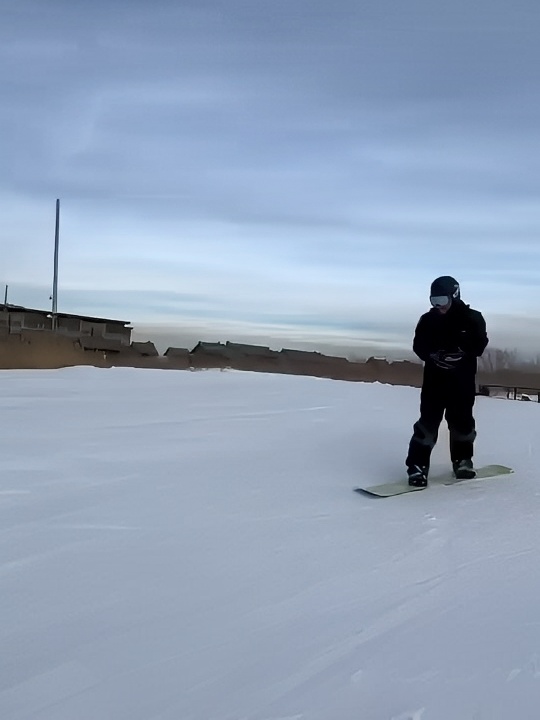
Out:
{"x": 421, "y": 344}
{"x": 475, "y": 338}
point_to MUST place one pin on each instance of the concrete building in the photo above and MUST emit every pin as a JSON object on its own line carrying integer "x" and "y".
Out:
{"x": 92, "y": 333}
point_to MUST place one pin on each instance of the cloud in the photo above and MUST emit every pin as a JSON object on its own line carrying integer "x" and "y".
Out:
{"x": 306, "y": 165}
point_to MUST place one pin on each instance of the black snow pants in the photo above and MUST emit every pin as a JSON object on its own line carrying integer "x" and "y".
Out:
{"x": 451, "y": 395}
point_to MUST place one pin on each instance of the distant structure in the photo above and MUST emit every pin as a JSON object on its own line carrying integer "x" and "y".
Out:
{"x": 92, "y": 333}
{"x": 145, "y": 349}
{"x": 232, "y": 351}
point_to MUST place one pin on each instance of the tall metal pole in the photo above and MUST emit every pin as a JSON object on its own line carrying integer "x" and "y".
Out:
{"x": 55, "y": 278}
{"x": 5, "y": 296}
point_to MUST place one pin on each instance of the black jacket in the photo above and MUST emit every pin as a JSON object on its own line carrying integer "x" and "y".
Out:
{"x": 461, "y": 328}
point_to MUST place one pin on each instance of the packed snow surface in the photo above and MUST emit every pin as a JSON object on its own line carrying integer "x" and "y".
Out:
{"x": 188, "y": 546}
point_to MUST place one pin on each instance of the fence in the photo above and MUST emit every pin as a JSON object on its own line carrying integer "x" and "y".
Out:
{"x": 512, "y": 391}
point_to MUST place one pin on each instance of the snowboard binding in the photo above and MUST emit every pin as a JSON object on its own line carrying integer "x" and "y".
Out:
{"x": 418, "y": 475}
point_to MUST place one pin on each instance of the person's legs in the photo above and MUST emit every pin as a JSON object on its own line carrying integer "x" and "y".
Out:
{"x": 426, "y": 428}
{"x": 462, "y": 426}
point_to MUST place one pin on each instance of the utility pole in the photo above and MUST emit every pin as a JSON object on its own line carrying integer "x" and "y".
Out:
{"x": 55, "y": 277}
{"x": 5, "y": 296}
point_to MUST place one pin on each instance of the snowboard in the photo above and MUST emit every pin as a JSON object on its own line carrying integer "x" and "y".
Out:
{"x": 446, "y": 478}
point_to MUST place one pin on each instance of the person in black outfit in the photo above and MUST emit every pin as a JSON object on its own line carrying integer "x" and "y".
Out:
{"x": 448, "y": 339}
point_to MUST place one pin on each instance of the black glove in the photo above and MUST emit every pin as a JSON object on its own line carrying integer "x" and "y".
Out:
{"x": 447, "y": 360}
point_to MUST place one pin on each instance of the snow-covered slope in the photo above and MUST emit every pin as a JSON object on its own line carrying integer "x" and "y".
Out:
{"x": 187, "y": 546}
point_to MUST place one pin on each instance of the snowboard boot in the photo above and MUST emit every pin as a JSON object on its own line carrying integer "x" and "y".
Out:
{"x": 463, "y": 470}
{"x": 417, "y": 475}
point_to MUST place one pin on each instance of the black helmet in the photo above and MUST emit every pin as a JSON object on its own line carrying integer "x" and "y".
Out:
{"x": 444, "y": 290}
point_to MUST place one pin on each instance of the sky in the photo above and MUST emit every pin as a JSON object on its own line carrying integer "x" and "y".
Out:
{"x": 287, "y": 172}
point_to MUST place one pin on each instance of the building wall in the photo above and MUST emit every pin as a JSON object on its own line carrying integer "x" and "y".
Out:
{"x": 19, "y": 321}
{"x": 4, "y": 323}
{"x": 76, "y": 327}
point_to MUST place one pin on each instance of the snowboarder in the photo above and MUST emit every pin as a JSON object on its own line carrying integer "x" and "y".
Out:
{"x": 448, "y": 339}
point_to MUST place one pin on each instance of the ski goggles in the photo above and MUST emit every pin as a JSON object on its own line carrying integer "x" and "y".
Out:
{"x": 440, "y": 300}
